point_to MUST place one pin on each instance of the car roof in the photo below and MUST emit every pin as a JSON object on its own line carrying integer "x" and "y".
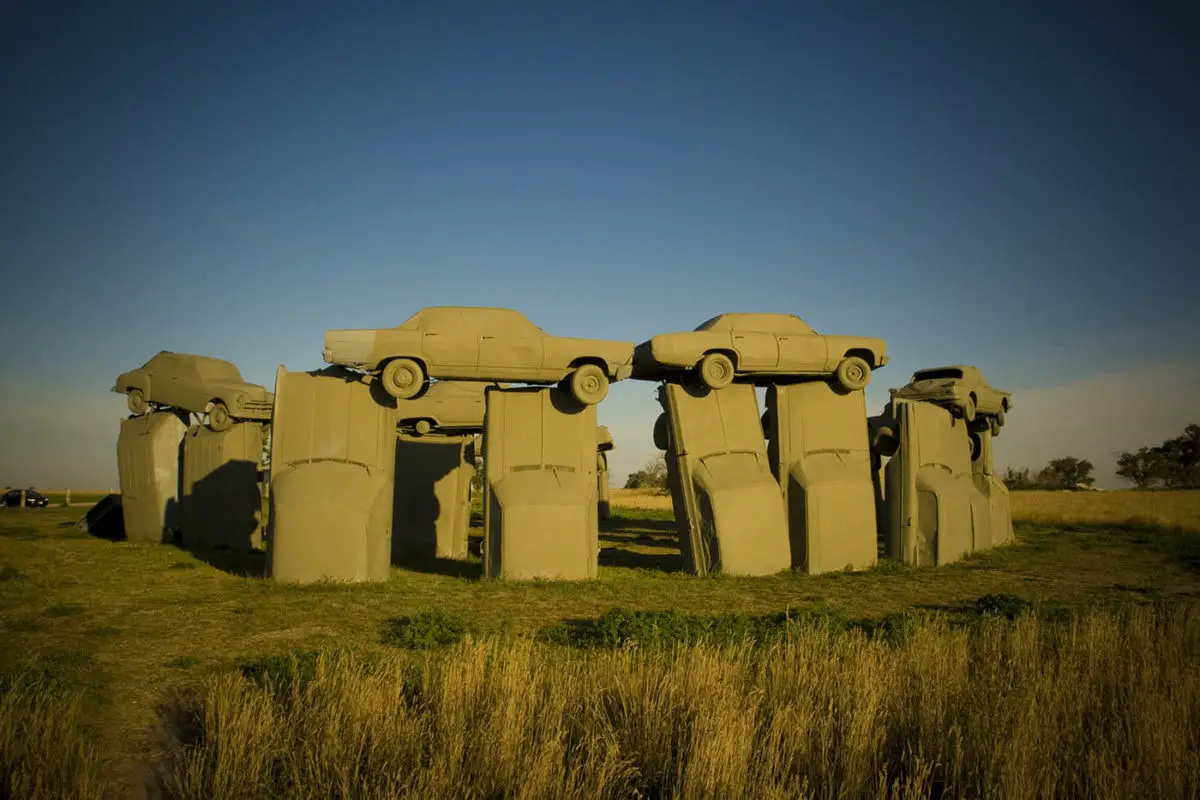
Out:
{"x": 756, "y": 321}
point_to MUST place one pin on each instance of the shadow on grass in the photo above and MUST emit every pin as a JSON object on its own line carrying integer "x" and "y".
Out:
{"x": 451, "y": 568}
{"x": 620, "y": 557}
{"x": 233, "y": 561}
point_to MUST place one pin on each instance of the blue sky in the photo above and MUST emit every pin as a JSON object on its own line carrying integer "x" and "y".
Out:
{"x": 1011, "y": 187}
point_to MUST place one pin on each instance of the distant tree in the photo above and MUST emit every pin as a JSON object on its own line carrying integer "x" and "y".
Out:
{"x": 652, "y": 476}
{"x": 1018, "y": 479}
{"x": 1067, "y": 472}
{"x": 1174, "y": 464}
{"x": 1142, "y": 468}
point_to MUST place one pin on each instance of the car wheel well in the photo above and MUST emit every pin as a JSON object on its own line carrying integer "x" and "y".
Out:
{"x": 865, "y": 355}
{"x": 1004, "y": 404}
{"x": 729, "y": 353}
{"x": 597, "y": 360}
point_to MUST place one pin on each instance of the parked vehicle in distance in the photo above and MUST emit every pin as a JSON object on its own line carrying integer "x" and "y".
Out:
{"x": 33, "y": 499}
{"x": 754, "y": 346}
{"x": 962, "y": 390}
{"x": 447, "y": 406}
{"x": 199, "y": 384}
{"x": 483, "y": 344}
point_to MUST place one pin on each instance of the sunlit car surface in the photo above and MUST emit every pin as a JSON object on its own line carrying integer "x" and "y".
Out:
{"x": 750, "y": 346}
{"x": 476, "y": 343}
{"x": 194, "y": 383}
{"x": 962, "y": 389}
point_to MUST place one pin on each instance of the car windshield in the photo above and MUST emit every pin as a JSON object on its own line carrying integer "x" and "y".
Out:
{"x": 947, "y": 373}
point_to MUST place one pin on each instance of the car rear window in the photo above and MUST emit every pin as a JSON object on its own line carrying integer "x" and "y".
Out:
{"x": 937, "y": 375}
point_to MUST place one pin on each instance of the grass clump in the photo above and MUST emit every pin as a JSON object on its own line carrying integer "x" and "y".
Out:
{"x": 655, "y": 629}
{"x": 1107, "y": 705}
{"x": 427, "y": 630}
{"x": 45, "y": 748}
{"x": 280, "y": 670}
{"x": 1002, "y": 604}
{"x": 63, "y": 610}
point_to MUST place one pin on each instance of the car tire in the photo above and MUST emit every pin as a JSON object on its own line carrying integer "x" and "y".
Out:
{"x": 588, "y": 384}
{"x": 662, "y": 432}
{"x": 994, "y": 426}
{"x": 976, "y": 446}
{"x": 715, "y": 370}
{"x": 1000, "y": 416}
{"x": 853, "y": 374}
{"x": 884, "y": 441}
{"x": 968, "y": 409}
{"x": 402, "y": 378}
{"x": 218, "y": 417}
{"x": 422, "y": 427}
{"x": 137, "y": 402}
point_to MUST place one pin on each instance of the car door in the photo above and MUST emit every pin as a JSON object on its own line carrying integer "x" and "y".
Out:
{"x": 510, "y": 346}
{"x": 757, "y": 351}
{"x": 802, "y": 352}
{"x": 165, "y": 381}
{"x": 450, "y": 347}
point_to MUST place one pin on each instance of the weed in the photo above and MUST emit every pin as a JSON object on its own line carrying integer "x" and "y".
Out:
{"x": 183, "y": 565}
{"x": 63, "y": 610}
{"x": 283, "y": 670}
{"x": 426, "y": 630}
{"x": 1004, "y": 605}
{"x": 8, "y": 573}
{"x": 183, "y": 662}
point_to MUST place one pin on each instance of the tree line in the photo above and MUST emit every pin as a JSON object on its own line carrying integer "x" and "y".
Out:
{"x": 1174, "y": 464}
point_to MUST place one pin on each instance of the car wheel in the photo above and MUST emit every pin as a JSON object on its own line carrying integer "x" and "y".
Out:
{"x": 422, "y": 427}
{"x": 885, "y": 442}
{"x": 854, "y": 373}
{"x": 994, "y": 426}
{"x": 976, "y": 446}
{"x": 589, "y": 384}
{"x": 1000, "y": 416}
{"x": 662, "y": 433}
{"x": 716, "y": 370}
{"x": 218, "y": 417}
{"x": 403, "y": 378}
{"x": 136, "y": 401}
{"x": 968, "y": 409}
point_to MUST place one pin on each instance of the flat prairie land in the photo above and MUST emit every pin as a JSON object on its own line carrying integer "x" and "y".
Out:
{"x": 129, "y": 666}
{"x": 1167, "y": 509}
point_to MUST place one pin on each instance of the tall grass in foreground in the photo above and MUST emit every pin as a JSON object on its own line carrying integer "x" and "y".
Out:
{"x": 1104, "y": 706}
{"x": 44, "y": 752}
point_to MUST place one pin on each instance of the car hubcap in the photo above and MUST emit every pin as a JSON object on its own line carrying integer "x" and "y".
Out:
{"x": 854, "y": 372}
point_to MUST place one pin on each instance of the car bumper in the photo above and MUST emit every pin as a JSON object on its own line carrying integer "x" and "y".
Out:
{"x": 623, "y": 372}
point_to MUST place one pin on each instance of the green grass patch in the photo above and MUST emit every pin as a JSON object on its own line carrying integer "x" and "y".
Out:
{"x": 427, "y": 630}
{"x": 63, "y": 610}
{"x": 183, "y": 662}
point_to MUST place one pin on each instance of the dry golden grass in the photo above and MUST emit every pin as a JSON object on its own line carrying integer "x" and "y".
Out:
{"x": 644, "y": 499}
{"x": 1107, "y": 706}
{"x": 1179, "y": 510}
{"x": 44, "y": 751}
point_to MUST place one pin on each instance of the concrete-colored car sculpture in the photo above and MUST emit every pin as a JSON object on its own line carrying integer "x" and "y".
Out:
{"x": 755, "y": 347}
{"x": 477, "y": 343}
{"x": 962, "y": 389}
{"x": 446, "y": 406}
{"x": 198, "y": 384}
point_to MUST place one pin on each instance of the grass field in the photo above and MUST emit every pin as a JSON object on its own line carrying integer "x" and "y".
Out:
{"x": 129, "y": 665}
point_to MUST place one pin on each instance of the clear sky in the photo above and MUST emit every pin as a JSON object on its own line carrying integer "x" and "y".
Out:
{"x": 1014, "y": 187}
